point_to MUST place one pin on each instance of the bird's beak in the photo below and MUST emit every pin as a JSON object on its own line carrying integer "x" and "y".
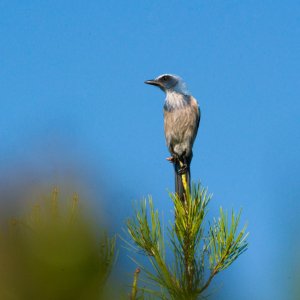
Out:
{"x": 152, "y": 82}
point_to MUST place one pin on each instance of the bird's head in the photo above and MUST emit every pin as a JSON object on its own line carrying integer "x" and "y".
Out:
{"x": 169, "y": 83}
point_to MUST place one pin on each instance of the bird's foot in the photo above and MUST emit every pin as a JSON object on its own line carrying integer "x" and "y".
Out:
{"x": 171, "y": 159}
{"x": 183, "y": 169}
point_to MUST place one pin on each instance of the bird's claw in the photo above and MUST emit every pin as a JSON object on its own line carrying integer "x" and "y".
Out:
{"x": 171, "y": 159}
{"x": 183, "y": 167}
{"x": 182, "y": 170}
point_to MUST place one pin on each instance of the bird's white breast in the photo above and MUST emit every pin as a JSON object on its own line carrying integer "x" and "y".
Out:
{"x": 175, "y": 100}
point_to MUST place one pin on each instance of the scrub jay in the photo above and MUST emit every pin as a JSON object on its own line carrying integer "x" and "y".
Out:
{"x": 181, "y": 122}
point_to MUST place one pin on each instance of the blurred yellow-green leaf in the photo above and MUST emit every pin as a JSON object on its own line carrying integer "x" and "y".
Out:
{"x": 54, "y": 253}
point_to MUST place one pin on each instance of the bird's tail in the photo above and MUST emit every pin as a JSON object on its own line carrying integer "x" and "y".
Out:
{"x": 182, "y": 181}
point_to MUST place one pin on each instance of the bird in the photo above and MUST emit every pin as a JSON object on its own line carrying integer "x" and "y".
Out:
{"x": 181, "y": 122}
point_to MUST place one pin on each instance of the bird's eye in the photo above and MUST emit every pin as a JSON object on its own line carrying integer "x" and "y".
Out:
{"x": 165, "y": 78}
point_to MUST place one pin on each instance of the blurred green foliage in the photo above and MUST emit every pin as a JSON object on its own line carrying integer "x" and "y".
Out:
{"x": 54, "y": 253}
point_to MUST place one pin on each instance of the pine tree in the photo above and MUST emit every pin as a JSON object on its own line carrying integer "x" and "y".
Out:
{"x": 200, "y": 249}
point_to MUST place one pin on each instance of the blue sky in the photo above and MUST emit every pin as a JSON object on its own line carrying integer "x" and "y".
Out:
{"x": 73, "y": 101}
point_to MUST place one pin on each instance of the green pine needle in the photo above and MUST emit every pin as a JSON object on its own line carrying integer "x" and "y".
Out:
{"x": 195, "y": 249}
